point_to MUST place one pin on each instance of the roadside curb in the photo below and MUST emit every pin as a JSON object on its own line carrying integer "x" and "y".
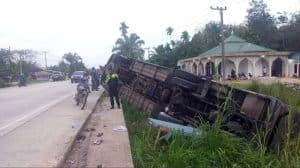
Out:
{"x": 69, "y": 148}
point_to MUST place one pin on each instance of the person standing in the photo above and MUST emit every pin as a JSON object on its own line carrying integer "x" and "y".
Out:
{"x": 264, "y": 71}
{"x": 112, "y": 80}
{"x": 99, "y": 77}
{"x": 95, "y": 79}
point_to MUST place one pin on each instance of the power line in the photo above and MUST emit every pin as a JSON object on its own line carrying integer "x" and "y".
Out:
{"x": 221, "y": 9}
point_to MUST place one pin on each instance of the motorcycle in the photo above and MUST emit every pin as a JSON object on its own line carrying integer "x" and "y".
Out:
{"x": 22, "y": 81}
{"x": 81, "y": 96}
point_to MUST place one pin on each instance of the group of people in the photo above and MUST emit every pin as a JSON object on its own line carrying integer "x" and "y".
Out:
{"x": 96, "y": 77}
{"x": 111, "y": 79}
{"x": 240, "y": 76}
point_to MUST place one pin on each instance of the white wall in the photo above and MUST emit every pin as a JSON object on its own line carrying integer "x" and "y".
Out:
{"x": 259, "y": 67}
{"x": 245, "y": 66}
{"x": 200, "y": 69}
{"x": 229, "y": 65}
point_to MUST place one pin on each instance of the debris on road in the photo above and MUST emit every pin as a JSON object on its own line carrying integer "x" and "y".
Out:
{"x": 98, "y": 141}
{"x": 89, "y": 129}
{"x": 80, "y": 137}
{"x": 97, "y": 150}
{"x": 99, "y": 134}
{"x": 72, "y": 125}
{"x": 120, "y": 128}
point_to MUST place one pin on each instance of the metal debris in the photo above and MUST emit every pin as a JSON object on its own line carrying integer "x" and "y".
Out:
{"x": 97, "y": 141}
{"x": 120, "y": 128}
{"x": 186, "y": 130}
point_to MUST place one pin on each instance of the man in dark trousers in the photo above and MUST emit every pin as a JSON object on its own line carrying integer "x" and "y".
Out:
{"x": 95, "y": 79}
{"x": 112, "y": 81}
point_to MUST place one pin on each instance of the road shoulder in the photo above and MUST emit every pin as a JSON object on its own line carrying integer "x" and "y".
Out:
{"x": 103, "y": 142}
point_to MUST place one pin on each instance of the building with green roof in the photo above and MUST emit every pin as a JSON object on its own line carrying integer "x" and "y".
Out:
{"x": 245, "y": 60}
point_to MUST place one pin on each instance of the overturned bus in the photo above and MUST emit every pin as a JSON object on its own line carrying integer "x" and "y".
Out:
{"x": 177, "y": 96}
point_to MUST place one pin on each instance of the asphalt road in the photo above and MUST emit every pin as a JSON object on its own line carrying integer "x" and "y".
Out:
{"x": 19, "y": 105}
{"x": 38, "y": 123}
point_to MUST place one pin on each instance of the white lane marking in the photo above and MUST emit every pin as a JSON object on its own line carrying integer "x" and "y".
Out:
{"x": 27, "y": 117}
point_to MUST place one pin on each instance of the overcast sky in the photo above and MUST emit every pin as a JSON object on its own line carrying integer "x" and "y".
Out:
{"x": 91, "y": 27}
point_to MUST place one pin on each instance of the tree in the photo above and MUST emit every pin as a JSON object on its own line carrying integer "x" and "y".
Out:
{"x": 24, "y": 57}
{"x": 290, "y": 34}
{"x": 163, "y": 56}
{"x": 74, "y": 62}
{"x": 261, "y": 23}
{"x": 129, "y": 46}
{"x": 169, "y": 31}
{"x": 261, "y": 28}
{"x": 63, "y": 67}
{"x": 123, "y": 28}
{"x": 72, "y": 58}
{"x": 185, "y": 37}
{"x": 4, "y": 62}
{"x": 53, "y": 68}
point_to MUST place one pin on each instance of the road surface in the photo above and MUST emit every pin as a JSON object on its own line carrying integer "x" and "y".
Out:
{"x": 39, "y": 122}
{"x": 18, "y": 105}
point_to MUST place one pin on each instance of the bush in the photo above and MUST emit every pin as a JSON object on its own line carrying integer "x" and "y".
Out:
{"x": 2, "y": 83}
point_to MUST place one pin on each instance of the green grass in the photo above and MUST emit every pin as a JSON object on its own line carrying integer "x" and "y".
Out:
{"x": 212, "y": 149}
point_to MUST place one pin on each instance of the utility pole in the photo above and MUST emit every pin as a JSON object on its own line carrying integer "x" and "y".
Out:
{"x": 45, "y": 55}
{"x": 9, "y": 61}
{"x": 221, "y": 9}
{"x": 21, "y": 59}
{"x": 148, "y": 51}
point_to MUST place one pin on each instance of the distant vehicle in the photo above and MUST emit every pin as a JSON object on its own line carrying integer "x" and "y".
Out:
{"x": 57, "y": 76}
{"x": 77, "y": 76}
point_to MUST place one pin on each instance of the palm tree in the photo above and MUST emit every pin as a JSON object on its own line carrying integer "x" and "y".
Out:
{"x": 170, "y": 31}
{"x": 123, "y": 28}
{"x": 129, "y": 46}
{"x": 185, "y": 37}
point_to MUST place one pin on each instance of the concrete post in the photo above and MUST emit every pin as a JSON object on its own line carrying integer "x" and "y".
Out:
{"x": 270, "y": 61}
{"x": 286, "y": 67}
{"x": 236, "y": 64}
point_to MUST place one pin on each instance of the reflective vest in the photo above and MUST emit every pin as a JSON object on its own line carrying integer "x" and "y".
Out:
{"x": 110, "y": 77}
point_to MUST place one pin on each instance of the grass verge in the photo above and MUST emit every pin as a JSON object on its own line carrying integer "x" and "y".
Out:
{"x": 214, "y": 148}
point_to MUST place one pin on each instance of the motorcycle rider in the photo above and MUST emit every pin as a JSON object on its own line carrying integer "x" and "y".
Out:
{"x": 112, "y": 80}
{"x": 84, "y": 82}
{"x": 22, "y": 80}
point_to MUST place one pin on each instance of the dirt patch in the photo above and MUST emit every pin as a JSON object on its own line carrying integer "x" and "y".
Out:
{"x": 98, "y": 144}
{"x": 78, "y": 155}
